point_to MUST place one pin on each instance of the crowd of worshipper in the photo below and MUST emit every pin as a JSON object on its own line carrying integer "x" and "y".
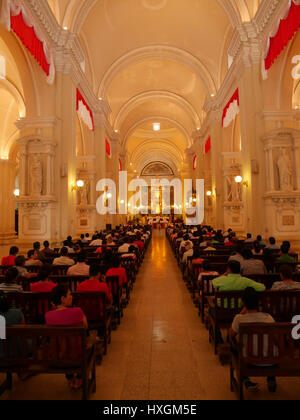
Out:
{"x": 250, "y": 256}
{"x": 128, "y": 242}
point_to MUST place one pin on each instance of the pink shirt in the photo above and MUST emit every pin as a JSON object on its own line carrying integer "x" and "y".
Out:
{"x": 68, "y": 316}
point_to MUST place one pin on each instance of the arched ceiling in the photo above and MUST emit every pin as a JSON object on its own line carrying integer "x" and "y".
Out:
{"x": 155, "y": 60}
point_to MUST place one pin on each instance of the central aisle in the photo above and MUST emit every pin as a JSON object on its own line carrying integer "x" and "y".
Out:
{"x": 161, "y": 349}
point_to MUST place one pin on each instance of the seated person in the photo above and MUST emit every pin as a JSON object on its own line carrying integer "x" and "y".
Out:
{"x": 20, "y": 266}
{"x": 43, "y": 284}
{"x": 117, "y": 271}
{"x": 110, "y": 241}
{"x": 131, "y": 253}
{"x": 63, "y": 259}
{"x": 209, "y": 246}
{"x": 229, "y": 241}
{"x": 257, "y": 249}
{"x": 206, "y": 271}
{"x": 124, "y": 246}
{"x": 250, "y": 314}
{"x": 233, "y": 281}
{"x": 96, "y": 241}
{"x": 95, "y": 283}
{"x": 46, "y": 252}
{"x": 273, "y": 245}
{"x": 11, "y": 316}
{"x": 10, "y": 260}
{"x": 10, "y": 281}
{"x": 250, "y": 265}
{"x": 85, "y": 239}
{"x": 186, "y": 244}
{"x": 66, "y": 244}
{"x": 287, "y": 282}
{"x": 285, "y": 257}
{"x": 260, "y": 241}
{"x": 249, "y": 239}
{"x": 238, "y": 254}
{"x": 197, "y": 257}
{"x": 33, "y": 259}
{"x": 81, "y": 268}
{"x": 64, "y": 314}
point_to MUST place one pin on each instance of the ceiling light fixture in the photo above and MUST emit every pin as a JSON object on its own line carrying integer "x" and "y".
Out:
{"x": 156, "y": 126}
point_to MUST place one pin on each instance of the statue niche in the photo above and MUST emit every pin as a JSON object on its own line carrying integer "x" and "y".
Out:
{"x": 36, "y": 175}
{"x": 285, "y": 170}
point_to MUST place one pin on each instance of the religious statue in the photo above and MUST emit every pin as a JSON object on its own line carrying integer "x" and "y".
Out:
{"x": 84, "y": 194}
{"x": 285, "y": 169}
{"x": 234, "y": 193}
{"x": 36, "y": 172}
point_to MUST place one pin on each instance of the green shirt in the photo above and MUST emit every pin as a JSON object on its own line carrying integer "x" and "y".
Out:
{"x": 285, "y": 258}
{"x": 235, "y": 283}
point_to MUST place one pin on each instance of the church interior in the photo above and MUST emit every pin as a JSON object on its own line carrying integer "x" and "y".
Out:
{"x": 103, "y": 98}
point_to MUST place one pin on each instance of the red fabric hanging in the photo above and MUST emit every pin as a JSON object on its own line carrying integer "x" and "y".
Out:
{"x": 81, "y": 98}
{"x": 107, "y": 147}
{"x": 120, "y": 165}
{"x": 286, "y": 31}
{"x": 235, "y": 97}
{"x": 208, "y": 145}
{"x": 30, "y": 40}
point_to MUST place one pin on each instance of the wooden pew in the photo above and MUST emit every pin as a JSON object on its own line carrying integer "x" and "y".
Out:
{"x": 224, "y": 306}
{"x": 276, "y": 348}
{"x": 52, "y": 350}
{"x": 97, "y": 312}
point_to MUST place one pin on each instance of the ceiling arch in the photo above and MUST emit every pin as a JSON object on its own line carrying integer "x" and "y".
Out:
{"x": 143, "y": 97}
{"x": 164, "y": 52}
{"x": 187, "y": 139}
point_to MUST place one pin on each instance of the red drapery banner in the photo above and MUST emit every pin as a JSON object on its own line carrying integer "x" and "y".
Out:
{"x": 231, "y": 109}
{"x": 286, "y": 31}
{"x": 120, "y": 165}
{"x": 30, "y": 40}
{"x": 208, "y": 145}
{"x": 108, "y": 148}
{"x": 195, "y": 162}
{"x": 84, "y": 111}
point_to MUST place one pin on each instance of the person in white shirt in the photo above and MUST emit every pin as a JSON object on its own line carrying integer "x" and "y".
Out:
{"x": 81, "y": 268}
{"x": 124, "y": 247}
{"x": 63, "y": 259}
{"x": 273, "y": 245}
{"x": 97, "y": 241}
{"x": 33, "y": 259}
{"x": 186, "y": 243}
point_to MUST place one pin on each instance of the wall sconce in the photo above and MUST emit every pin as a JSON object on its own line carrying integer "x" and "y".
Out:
{"x": 209, "y": 193}
{"x": 239, "y": 180}
{"x": 79, "y": 184}
{"x": 17, "y": 192}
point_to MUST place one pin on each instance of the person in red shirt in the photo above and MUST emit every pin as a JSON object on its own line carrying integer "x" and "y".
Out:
{"x": 43, "y": 284}
{"x": 139, "y": 243}
{"x": 10, "y": 260}
{"x": 117, "y": 271}
{"x": 94, "y": 283}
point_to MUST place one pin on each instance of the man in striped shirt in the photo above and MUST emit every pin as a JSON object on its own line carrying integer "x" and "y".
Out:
{"x": 10, "y": 281}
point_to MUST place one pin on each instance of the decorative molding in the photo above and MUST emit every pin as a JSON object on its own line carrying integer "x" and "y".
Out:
{"x": 35, "y": 122}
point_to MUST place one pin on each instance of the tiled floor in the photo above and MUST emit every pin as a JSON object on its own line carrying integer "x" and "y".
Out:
{"x": 160, "y": 351}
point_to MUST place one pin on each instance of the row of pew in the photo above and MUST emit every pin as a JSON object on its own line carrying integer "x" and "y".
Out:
{"x": 218, "y": 309}
{"x": 37, "y": 348}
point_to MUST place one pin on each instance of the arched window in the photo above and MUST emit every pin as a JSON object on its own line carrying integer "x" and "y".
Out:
{"x": 2, "y": 67}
